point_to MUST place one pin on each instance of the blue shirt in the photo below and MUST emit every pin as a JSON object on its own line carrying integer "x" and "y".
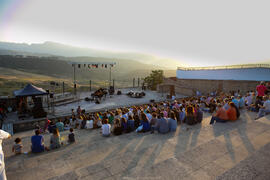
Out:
{"x": 163, "y": 126}
{"x": 241, "y": 103}
{"x": 235, "y": 101}
{"x": 60, "y": 126}
{"x": 124, "y": 126}
{"x": 173, "y": 124}
{"x": 146, "y": 126}
{"x": 182, "y": 116}
{"x": 226, "y": 106}
{"x": 37, "y": 145}
{"x": 130, "y": 124}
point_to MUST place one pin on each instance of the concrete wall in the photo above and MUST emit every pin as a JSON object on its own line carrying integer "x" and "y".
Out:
{"x": 190, "y": 86}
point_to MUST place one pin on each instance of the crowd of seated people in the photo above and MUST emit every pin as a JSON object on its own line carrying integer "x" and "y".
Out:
{"x": 161, "y": 117}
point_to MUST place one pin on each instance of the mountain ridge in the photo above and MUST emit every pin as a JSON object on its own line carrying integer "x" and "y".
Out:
{"x": 59, "y": 49}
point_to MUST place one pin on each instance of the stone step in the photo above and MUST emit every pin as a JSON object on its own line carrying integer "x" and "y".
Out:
{"x": 202, "y": 151}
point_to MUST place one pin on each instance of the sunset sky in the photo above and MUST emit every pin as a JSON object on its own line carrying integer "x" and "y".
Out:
{"x": 199, "y": 33}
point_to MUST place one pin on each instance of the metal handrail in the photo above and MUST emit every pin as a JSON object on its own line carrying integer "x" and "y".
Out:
{"x": 240, "y": 66}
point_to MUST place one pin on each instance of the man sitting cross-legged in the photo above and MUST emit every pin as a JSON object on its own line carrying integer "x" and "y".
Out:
{"x": 265, "y": 108}
{"x": 220, "y": 116}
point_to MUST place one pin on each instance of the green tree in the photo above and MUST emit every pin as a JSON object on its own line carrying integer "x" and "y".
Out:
{"x": 155, "y": 78}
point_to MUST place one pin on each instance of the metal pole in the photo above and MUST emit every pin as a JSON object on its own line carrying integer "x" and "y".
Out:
{"x": 63, "y": 87}
{"x": 90, "y": 85}
{"x": 74, "y": 76}
{"x": 133, "y": 82}
{"x": 110, "y": 75}
{"x": 113, "y": 83}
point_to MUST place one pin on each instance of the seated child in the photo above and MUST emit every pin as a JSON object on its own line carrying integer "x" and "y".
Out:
{"x": 106, "y": 128}
{"x": 71, "y": 136}
{"x": 17, "y": 147}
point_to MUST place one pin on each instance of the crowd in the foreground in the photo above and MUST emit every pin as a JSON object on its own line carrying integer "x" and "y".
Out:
{"x": 162, "y": 117}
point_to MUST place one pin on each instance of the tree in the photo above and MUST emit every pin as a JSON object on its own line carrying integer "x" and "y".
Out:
{"x": 155, "y": 78}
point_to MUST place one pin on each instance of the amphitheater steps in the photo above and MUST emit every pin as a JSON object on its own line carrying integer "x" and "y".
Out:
{"x": 197, "y": 152}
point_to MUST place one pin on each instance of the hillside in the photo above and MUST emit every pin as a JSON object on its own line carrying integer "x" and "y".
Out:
{"x": 57, "y": 49}
{"x": 61, "y": 67}
{"x": 11, "y": 79}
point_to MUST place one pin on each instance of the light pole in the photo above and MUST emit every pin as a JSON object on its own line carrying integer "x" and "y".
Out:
{"x": 110, "y": 74}
{"x": 74, "y": 77}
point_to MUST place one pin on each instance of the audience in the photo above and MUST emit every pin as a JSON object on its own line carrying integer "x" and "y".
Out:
{"x": 172, "y": 122}
{"x": 117, "y": 128}
{"x": 153, "y": 122}
{"x": 37, "y": 142}
{"x": 220, "y": 116}
{"x": 162, "y": 117}
{"x": 71, "y": 136}
{"x": 190, "y": 118}
{"x": 124, "y": 124}
{"x": 55, "y": 141}
{"x": 17, "y": 147}
{"x": 145, "y": 123}
{"x": 59, "y": 125}
{"x": 130, "y": 124}
{"x": 261, "y": 89}
{"x": 163, "y": 124}
{"x": 51, "y": 127}
{"x": 265, "y": 108}
{"x": 106, "y": 128}
{"x": 231, "y": 112}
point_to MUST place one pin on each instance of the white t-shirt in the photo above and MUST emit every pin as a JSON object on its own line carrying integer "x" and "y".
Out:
{"x": 3, "y": 135}
{"x": 266, "y": 104}
{"x": 106, "y": 129}
{"x": 89, "y": 124}
{"x": 249, "y": 100}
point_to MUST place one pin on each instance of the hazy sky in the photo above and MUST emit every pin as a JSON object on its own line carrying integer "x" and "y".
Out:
{"x": 198, "y": 32}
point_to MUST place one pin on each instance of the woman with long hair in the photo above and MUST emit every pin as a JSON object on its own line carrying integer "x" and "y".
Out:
{"x": 237, "y": 110}
{"x": 137, "y": 121}
{"x": 190, "y": 118}
{"x": 145, "y": 123}
{"x": 117, "y": 128}
{"x": 130, "y": 124}
{"x": 124, "y": 124}
{"x": 55, "y": 139}
{"x": 172, "y": 121}
{"x": 232, "y": 112}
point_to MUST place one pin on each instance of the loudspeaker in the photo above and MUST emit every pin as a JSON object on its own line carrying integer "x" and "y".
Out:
{"x": 119, "y": 92}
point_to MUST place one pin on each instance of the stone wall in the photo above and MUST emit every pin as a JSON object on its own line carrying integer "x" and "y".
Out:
{"x": 190, "y": 86}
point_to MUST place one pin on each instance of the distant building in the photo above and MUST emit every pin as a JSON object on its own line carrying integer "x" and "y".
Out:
{"x": 221, "y": 78}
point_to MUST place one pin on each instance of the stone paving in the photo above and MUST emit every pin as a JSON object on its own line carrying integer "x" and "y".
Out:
{"x": 238, "y": 150}
{"x": 110, "y": 102}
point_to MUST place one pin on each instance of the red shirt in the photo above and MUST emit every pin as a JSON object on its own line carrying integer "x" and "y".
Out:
{"x": 222, "y": 114}
{"x": 261, "y": 90}
{"x": 231, "y": 113}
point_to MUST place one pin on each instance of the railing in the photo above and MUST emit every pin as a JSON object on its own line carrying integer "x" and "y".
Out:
{"x": 241, "y": 66}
